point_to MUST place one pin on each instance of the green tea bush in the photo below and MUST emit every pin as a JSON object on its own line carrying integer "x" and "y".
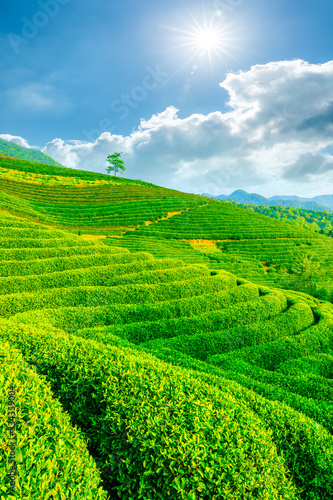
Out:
{"x": 299, "y": 439}
{"x": 51, "y": 456}
{"x": 187, "y": 376}
{"x": 247, "y": 312}
{"x": 316, "y": 338}
{"x": 201, "y": 346}
{"x": 157, "y": 430}
{"x": 133, "y": 299}
{"x": 134, "y": 271}
{"x": 19, "y": 256}
{"x": 319, "y": 364}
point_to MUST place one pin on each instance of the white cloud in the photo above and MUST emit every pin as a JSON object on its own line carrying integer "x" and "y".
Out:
{"x": 273, "y": 140}
{"x": 283, "y": 97}
{"x": 15, "y": 139}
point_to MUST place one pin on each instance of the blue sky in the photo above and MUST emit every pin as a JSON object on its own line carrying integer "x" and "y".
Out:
{"x": 82, "y": 79}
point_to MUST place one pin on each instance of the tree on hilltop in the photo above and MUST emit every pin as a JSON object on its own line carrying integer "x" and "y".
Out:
{"x": 115, "y": 163}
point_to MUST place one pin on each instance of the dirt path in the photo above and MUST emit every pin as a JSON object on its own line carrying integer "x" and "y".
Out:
{"x": 170, "y": 214}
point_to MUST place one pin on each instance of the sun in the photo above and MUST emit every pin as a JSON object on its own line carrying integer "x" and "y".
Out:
{"x": 207, "y": 39}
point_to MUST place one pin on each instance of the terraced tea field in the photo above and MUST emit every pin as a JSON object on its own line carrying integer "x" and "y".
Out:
{"x": 125, "y": 212}
{"x": 142, "y": 376}
{"x": 96, "y": 204}
{"x": 251, "y": 245}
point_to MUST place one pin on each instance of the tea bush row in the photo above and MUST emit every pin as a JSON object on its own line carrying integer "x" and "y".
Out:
{"x": 240, "y": 313}
{"x": 111, "y": 274}
{"x": 159, "y": 248}
{"x": 16, "y": 259}
{"x": 51, "y": 456}
{"x": 29, "y": 166}
{"x": 221, "y": 221}
{"x": 119, "y": 214}
{"x": 37, "y": 243}
{"x": 112, "y": 209}
{"x": 319, "y": 364}
{"x": 158, "y": 430}
{"x": 317, "y": 338}
{"x": 105, "y": 319}
{"x": 96, "y": 295}
{"x": 280, "y": 252}
{"x": 284, "y": 413}
{"x": 295, "y": 318}
{"x": 29, "y": 233}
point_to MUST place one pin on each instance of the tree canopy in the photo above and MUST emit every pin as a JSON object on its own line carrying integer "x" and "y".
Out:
{"x": 115, "y": 163}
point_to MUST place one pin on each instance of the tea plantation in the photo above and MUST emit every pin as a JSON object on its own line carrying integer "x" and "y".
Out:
{"x": 138, "y": 366}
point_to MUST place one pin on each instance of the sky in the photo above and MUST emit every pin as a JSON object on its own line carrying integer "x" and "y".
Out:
{"x": 202, "y": 96}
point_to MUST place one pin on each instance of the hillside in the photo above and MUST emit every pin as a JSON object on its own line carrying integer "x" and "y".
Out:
{"x": 14, "y": 150}
{"x": 251, "y": 245}
{"x": 81, "y": 200}
{"x": 142, "y": 376}
{"x": 314, "y": 220}
{"x": 89, "y": 203}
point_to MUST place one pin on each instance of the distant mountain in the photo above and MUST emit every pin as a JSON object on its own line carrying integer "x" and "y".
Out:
{"x": 324, "y": 202}
{"x": 325, "y": 199}
{"x": 289, "y": 197}
{"x": 16, "y": 151}
{"x": 212, "y": 196}
{"x": 310, "y": 205}
{"x": 243, "y": 197}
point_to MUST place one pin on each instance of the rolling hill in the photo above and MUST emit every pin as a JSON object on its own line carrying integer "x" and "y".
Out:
{"x": 139, "y": 365}
{"x": 314, "y": 220}
{"x": 97, "y": 204}
{"x": 14, "y": 150}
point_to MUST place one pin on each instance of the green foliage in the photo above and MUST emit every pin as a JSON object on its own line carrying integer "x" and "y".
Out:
{"x": 313, "y": 220}
{"x": 115, "y": 163}
{"x": 181, "y": 379}
{"x": 16, "y": 151}
{"x": 298, "y": 316}
{"x": 220, "y": 221}
{"x": 23, "y": 165}
{"x": 60, "y": 465}
{"x": 133, "y": 407}
{"x": 308, "y": 276}
{"x": 159, "y": 248}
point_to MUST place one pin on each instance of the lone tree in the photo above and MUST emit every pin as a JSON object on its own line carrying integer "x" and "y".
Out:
{"x": 310, "y": 278}
{"x": 115, "y": 163}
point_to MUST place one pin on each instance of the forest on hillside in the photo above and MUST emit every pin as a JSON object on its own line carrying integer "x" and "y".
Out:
{"x": 314, "y": 220}
{"x": 16, "y": 151}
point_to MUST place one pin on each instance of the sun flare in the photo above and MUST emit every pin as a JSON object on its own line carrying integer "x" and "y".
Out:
{"x": 207, "y": 39}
